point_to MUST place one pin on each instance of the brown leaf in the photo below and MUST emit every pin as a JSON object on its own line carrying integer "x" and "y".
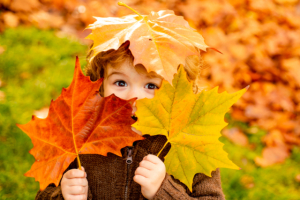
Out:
{"x": 293, "y": 67}
{"x": 5, "y": 2}
{"x": 24, "y": 5}
{"x": 297, "y": 178}
{"x": 286, "y": 1}
{"x": 10, "y": 20}
{"x": 1, "y": 51}
{"x": 236, "y": 136}
{"x": 239, "y": 114}
{"x": 258, "y": 111}
{"x": 274, "y": 138}
{"x": 266, "y": 123}
{"x": 247, "y": 181}
{"x": 2, "y": 96}
{"x": 238, "y": 51}
{"x": 272, "y": 155}
{"x": 264, "y": 6}
{"x": 293, "y": 139}
{"x": 45, "y": 20}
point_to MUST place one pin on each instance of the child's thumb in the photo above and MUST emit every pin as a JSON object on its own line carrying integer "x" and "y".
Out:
{"x": 85, "y": 174}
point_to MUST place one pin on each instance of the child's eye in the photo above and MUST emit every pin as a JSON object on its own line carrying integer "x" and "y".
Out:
{"x": 151, "y": 86}
{"x": 120, "y": 83}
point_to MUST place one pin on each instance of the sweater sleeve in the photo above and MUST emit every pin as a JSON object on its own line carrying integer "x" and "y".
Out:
{"x": 51, "y": 192}
{"x": 54, "y": 193}
{"x": 204, "y": 188}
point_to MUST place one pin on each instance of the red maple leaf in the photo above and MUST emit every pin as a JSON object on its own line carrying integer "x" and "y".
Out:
{"x": 80, "y": 121}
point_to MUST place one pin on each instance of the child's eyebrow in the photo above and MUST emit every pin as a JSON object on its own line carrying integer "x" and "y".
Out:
{"x": 153, "y": 76}
{"x": 119, "y": 73}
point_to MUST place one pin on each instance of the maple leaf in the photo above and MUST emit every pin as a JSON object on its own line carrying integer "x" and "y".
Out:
{"x": 80, "y": 121}
{"x": 191, "y": 123}
{"x": 160, "y": 41}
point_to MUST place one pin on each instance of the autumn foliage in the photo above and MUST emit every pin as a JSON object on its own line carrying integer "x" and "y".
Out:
{"x": 191, "y": 123}
{"x": 160, "y": 41}
{"x": 259, "y": 40}
{"x": 80, "y": 121}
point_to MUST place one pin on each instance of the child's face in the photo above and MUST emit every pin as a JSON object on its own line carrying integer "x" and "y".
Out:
{"x": 127, "y": 82}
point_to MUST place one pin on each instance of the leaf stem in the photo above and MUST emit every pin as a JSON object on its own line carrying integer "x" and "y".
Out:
{"x": 123, "y": 4}
{"x": 77, "y": 70}
{"x": 79, "y": 164}
{"x": 162, "y": 148}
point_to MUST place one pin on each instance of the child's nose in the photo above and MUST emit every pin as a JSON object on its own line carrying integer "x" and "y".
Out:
{"x": 133, "y": 108}
{"x": 136, "y": 93}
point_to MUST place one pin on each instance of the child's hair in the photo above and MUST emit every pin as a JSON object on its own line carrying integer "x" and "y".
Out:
{"x": 96, "y": 67}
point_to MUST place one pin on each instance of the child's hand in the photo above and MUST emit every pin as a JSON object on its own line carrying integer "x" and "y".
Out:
{"x": 150, "y": 174}
{"x": 74, "y": 185}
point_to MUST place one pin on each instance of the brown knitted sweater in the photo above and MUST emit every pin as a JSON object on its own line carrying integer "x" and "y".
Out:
{"x": 110, "y": 177}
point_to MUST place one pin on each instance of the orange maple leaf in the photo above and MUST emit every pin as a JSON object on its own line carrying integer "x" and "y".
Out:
{"x": 80, "y": 121}
{"x": 159, "y": 41}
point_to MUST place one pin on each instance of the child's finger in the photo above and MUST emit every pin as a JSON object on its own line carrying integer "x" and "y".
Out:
{"x": 147, "y": 164}
{"x": 143, "y": 172}
{"x": 76, "y": 190}
{"x": 152, "y": 158}
{"x": 74, "y": 173}
{"x": 77, "y": 197}
{"x": 78, "y": 182}
{"x": 82, "y": 169}
{"x": 141, "y": 180}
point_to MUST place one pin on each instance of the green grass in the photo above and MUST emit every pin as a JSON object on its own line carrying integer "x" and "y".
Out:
{"x": 252, "y": 182}
{"x": 33, "y": 69}
{"x": 273, "y": 183}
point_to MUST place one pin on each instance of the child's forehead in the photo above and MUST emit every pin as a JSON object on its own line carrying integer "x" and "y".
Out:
{"x": 127, "y": 67}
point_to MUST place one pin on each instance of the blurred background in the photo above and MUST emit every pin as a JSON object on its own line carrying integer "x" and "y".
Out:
{"x": 260, "y": 45}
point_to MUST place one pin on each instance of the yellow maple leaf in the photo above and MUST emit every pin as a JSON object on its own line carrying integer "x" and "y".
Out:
{"x": 192, "y": 124}
{"x": 159, "y": 41}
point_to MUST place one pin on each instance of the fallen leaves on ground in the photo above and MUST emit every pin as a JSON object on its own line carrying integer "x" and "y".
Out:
{"x": 272, "y": 155}
{"x": 236, "y": 136}
{"x": 260, "y": 45}
{"x": 1, "y": 51}
{"x": 297, "y": 178}
{"x": 259, "y": 40}
{"x": 80, "y": 121}
{"x": 247, "y": 181}
{"x": 2, "y": 96}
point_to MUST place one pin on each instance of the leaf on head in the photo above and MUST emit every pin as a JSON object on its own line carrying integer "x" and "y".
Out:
{"x": 159, "y": 41}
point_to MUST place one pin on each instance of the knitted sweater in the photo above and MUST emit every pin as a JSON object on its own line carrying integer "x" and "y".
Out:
{"x": 110, "y": 177}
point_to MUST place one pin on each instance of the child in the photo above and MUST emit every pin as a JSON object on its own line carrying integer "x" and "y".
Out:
{"x": 139, "y": 174}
